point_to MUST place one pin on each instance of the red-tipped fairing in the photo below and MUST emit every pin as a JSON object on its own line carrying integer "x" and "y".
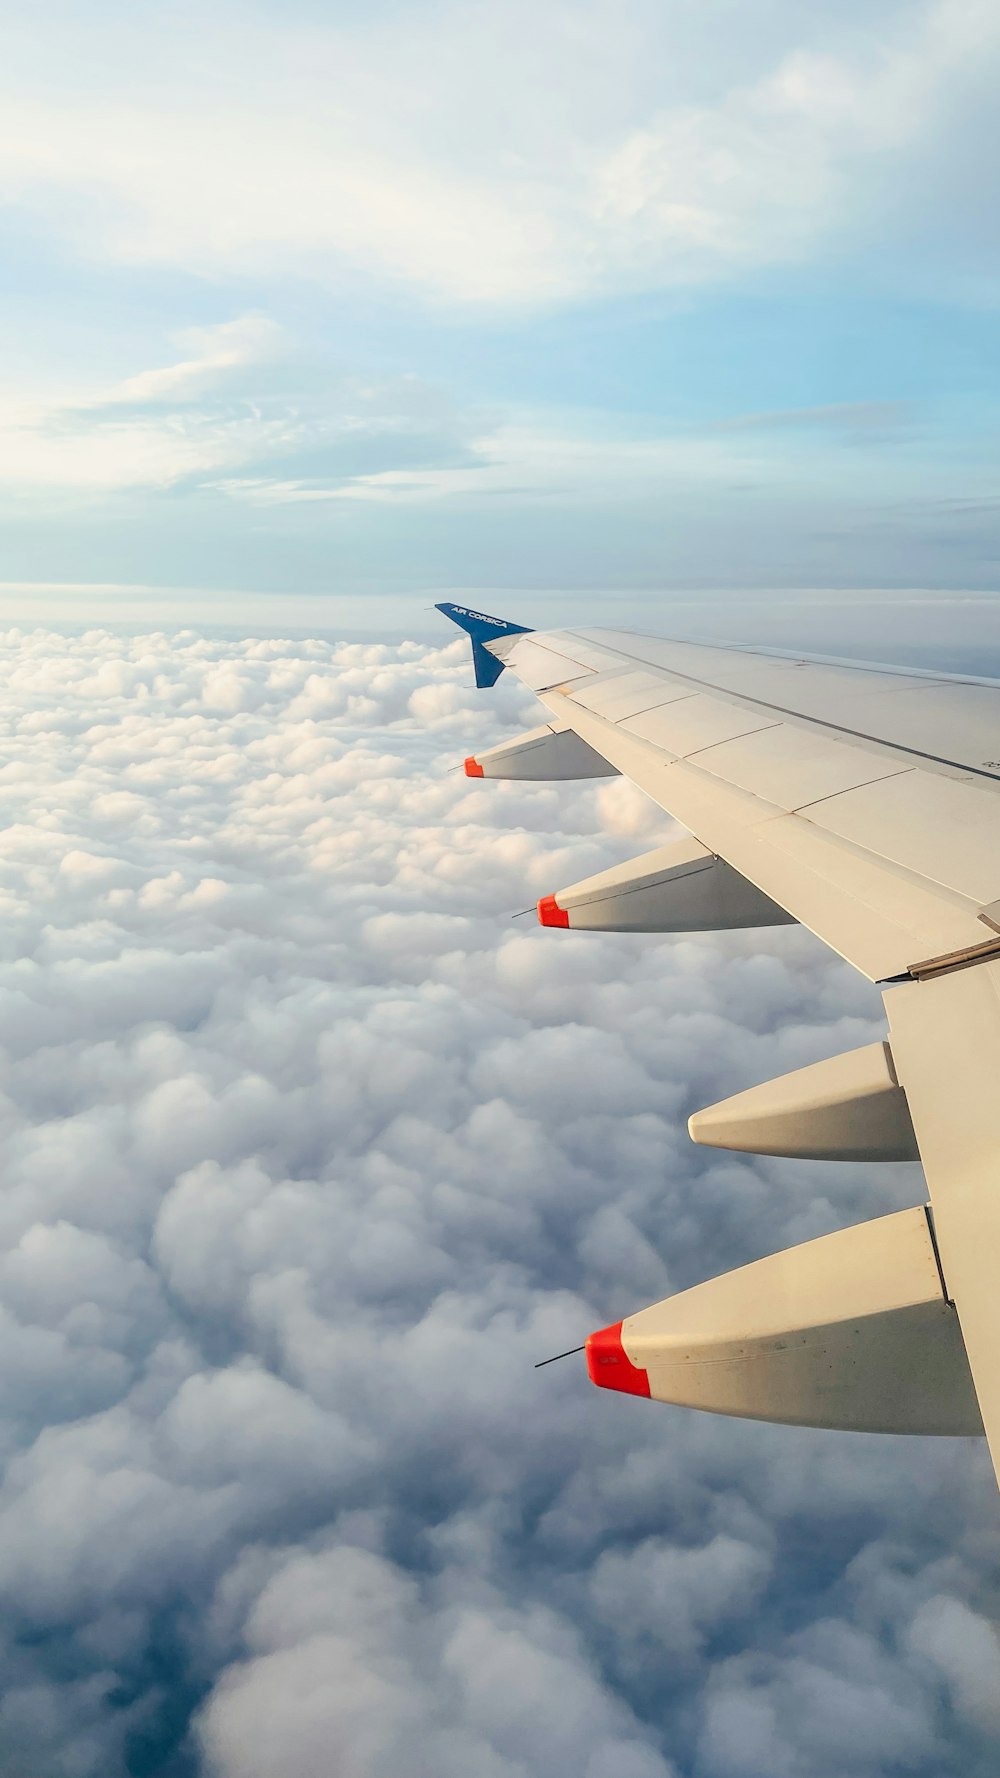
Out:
{"x": 608, "y": 1366}
{"x": 550, "y": 913}
{"x": 852, "y": 1329}
{"x": 473, "y": 769}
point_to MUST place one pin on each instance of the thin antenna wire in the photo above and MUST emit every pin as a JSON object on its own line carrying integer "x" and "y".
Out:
{"x": 521, "y": 915}
{"x": 559, "y": 1355}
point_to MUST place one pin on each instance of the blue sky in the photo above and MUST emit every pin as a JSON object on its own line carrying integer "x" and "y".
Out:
{"x": 319, "y": 310}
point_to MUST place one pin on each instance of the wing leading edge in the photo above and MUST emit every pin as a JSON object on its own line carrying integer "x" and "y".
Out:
{"x": 861, "y": 800}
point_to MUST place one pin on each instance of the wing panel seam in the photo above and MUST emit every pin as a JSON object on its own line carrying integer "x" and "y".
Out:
{"x": 764, "y": 729}
{"x": 833, "y": 795}
{"x": 838, "y": 728}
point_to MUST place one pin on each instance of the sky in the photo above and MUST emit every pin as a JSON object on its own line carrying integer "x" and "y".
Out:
{"x": 328, "y": 308}
{"x": 681, "y": 314}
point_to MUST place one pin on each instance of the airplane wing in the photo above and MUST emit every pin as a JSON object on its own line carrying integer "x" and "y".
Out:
{"x": 864, "y": 802}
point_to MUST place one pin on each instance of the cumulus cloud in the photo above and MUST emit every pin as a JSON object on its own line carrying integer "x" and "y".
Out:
{"x": 308, "y": 1154}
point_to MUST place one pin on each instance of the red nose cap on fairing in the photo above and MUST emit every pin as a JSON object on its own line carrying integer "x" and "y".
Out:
{"x": 550, "y": 913}
{"x": 608, "y": 1366}
{"x": 473, "y": 769}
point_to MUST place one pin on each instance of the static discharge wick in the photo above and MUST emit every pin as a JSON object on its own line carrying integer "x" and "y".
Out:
{"x": 557, "y": 1357}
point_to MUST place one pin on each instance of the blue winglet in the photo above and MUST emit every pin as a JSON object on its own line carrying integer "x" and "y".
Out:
{"x": 480, "y": 629}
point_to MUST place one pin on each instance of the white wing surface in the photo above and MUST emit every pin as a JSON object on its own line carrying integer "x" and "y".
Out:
{"x": 864, "y": 801}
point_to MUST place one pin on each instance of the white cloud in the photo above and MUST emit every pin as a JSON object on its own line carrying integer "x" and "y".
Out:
{"x": 89, "y": 441}
{"x": 216, "y": 409}
{"x": 308, "y": 1155}
{"x": 569, "y": 459}
{"x": 436, "y": 152}
{"x": 965, "y": 1649}
{"x": 214, "y": 352}
{"x": 350, "y": 1665}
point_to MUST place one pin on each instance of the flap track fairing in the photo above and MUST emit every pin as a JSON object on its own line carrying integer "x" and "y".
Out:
{"x": 853, "y": 1330}
{"x": 681, "y": 887}
{"x": 553, "y": 752}
{"x": 849, "y": 1108}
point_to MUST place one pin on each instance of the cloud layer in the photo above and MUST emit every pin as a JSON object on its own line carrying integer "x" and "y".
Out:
{"x": 308, "y": 1154}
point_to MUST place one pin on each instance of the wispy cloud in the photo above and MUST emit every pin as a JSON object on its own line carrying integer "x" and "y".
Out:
{"x": 215, "y": 351}
{"x": 609, "y": 460}
{"x": 353, "y": 146}
{"x": 208, "y": 417}
{"x": 843, "y": 417}
{"x": 151, "y": 430}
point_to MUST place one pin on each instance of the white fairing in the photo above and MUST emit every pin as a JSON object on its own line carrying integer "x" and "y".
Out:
{"x": 849, "y": 1108}
{"x": 852, "y": 1330}
{"x": 547, "y": 753}
{"x": 681, "y": 887}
